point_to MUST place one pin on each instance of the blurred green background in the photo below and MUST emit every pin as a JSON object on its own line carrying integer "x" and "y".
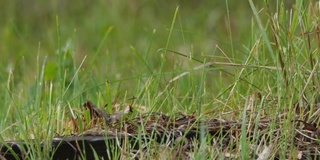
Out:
{"x": 123, "y": 42}
{"x": 29, "y": 28}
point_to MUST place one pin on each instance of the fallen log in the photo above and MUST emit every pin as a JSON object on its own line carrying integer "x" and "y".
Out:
{"x": 71, "y": 147}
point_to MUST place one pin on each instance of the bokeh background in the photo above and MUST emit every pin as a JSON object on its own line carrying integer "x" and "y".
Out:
{"x": 122, "y": 41}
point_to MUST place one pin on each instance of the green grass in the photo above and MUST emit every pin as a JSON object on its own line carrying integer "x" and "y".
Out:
{"x": 206, "y": 59}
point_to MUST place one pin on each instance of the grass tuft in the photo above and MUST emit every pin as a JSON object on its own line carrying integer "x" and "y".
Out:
{"x": 253, "y": 65}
